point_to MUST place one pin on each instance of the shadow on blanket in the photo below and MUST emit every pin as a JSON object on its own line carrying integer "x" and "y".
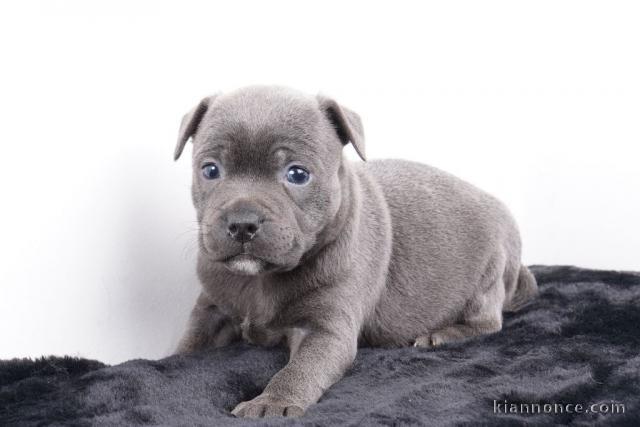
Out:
{"x": 578, "y": 343}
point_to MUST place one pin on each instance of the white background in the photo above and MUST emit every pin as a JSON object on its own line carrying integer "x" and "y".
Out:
{"x": 537, "y": 102}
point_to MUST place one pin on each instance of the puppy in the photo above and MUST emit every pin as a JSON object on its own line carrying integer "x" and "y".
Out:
{"x": 299, "y": 246}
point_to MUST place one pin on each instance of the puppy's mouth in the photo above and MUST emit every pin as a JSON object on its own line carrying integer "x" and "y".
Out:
{"x": 247, "y": 265}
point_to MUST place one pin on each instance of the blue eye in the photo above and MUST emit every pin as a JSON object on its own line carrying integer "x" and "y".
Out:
{"x": 210, "y": 171}
{"x": 297, "y": 175}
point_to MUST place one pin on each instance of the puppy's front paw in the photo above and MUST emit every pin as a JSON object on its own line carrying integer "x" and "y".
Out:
{"x": 267, "y": 406}
{"x": 432, "y": 340}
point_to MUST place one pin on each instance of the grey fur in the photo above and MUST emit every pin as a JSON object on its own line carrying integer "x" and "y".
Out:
{"x": 384, "y": 253}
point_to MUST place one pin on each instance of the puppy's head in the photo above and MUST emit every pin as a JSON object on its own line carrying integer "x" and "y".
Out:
{"x": 266, "y": 174}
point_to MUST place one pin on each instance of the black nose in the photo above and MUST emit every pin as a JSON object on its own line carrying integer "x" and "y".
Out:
{"x": 243, "y": 227}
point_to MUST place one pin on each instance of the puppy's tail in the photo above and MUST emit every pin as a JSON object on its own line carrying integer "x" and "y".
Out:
{"x": 526, "y": 289}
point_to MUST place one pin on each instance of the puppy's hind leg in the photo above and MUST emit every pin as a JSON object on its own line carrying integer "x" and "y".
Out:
{"x": 482, "y": 315}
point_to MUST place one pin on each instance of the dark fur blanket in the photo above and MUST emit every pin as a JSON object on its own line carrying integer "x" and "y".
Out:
{"x": 578, "y": 343}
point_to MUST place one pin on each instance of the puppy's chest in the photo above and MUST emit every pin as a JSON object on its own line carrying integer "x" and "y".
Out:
{"x": 259, "y": 320}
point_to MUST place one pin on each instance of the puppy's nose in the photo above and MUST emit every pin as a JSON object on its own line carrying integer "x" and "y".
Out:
{"x": 243, "y": 227}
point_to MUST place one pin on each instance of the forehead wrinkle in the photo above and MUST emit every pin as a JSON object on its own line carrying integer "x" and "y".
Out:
{"x": 291, "y": 148}
{"x": 210, "y": 147}
{"x": 253, "y": 136}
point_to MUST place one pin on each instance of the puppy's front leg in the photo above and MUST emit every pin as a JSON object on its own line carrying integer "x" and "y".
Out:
{"x": 208, "y": 328}
{"x": 320, "y": 359}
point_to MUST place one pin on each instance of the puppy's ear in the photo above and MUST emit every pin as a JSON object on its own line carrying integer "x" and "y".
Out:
{"x": 190, "y": 123}
{"x": 347, "y": 124}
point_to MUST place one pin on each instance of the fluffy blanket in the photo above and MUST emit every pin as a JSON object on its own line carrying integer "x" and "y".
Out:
{"x": 577, "y": 344}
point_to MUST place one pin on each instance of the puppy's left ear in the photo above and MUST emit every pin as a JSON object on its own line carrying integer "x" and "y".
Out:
{"x": 347, "y": 124}
{"x": 190, "y": 123}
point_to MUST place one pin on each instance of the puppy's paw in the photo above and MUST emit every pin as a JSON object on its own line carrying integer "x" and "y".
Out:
{"x": 267, "y": 406}
{"x": 438, "y": 338}
{"x": 432, "y": 340}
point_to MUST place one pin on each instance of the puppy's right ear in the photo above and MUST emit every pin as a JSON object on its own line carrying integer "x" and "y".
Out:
{"x": 190, "y": 123}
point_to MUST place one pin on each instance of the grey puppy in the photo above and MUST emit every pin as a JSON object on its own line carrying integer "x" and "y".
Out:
{"x": 300, "y": 246}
